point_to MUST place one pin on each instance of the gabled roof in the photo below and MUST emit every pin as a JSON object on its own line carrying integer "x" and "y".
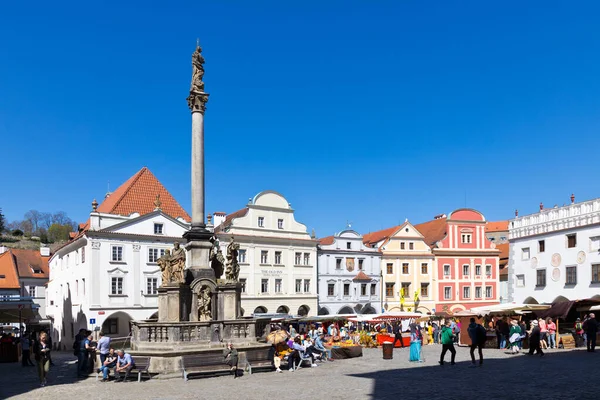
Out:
{"x": 138, "y": 194}
{"x": 503, "y": 257}
{"x": 30, "y": 261}
{"x": 8, "y": 272}
{"x": 326, "y": 240}
{"x": 433, "y": 231}
{"x": 497, "y": 226}
{"x": 230, "y": 217}
{"x": 361, "y": 276}
{"x": 376, "y": 237}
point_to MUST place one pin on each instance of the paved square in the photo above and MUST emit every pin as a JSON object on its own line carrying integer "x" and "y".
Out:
{"x": 560, "y": 374}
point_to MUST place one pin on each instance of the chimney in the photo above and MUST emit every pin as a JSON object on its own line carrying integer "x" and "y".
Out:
{"x": 45, "y": 251}
{"x": 572, "y": 198}
{"x": 541, "y": 206}
{"x": 516, "y": 213}
{"x": 219, "y": 218}
{"x": 3, "y": 249}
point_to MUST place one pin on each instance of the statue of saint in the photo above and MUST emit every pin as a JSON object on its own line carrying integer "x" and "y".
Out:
{"x": 232, "y": 272}
{"x": 177, "y": 262}
{"x": 164, "y": 262}
{"x": 217, "y": 261}
{"x": 204, "y": 299}
{"x": 197, "y": 71}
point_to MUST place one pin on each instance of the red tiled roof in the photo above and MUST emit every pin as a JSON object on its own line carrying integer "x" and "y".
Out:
{"x": 8, "y": 269}
{"x": 433, "y": 231}
{"x": 326, "y": 240}
{"x": 375, "y": 237}
{"x": 503, "y": 256}
{"x": 230, "y": 217}
{"x": 361, "y": 276}
{"x": 29, "y": 260}
{"x": 138, "y": 195}
{"x": 498, "y": 226}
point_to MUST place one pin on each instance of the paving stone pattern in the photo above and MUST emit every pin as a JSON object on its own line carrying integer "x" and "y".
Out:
{"x": 559, "y": 374}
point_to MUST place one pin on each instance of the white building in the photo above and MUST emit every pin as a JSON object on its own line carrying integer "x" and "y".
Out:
{"x": 555, "y": 254}
{"x": 107, "y": 274}
{"x": 277, "y": 256}
{"x": 349, "y": 275}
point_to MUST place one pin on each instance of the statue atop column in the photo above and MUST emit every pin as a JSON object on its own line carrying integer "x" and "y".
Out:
{"x": 217, "y": 261}
{"x": 198, "y": 98}
{"x": 232, "y": 272}
{"x": 172, "y": 265}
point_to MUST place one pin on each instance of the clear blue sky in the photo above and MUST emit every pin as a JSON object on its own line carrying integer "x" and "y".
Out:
{"x": 365, "y": 111}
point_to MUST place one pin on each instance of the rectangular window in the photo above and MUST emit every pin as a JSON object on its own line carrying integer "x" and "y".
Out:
{"x": 243, "y": 284}
{"x": 331, "y": 289}
{"x": 466, "y": 270}
{"x": 32, "y": 291}
{"x": 478, "y": 292}
{"x": 446, "y": 270}
{"x": 306, "y": 258}
{"x": 477, "y": 270}
{"x": 466, "y": 292}
{"x": 77, "y": 287}
{"x": 117, "y": 253}
{"x": 363, "y": 289}
{"x": 152, "y": 286}
{"x": 338, "y": 263}
{"x": 595, "y": 273}
{"x": 402, "y": 244}
{"x": 116, "y": 285}
{"x": 307, "y": 286}
{"x": 520, "y": 280}
{"x": 488, "y": 292}
{"x": 155, "y": 254}
{"x": 411, "y": 246}
{"x": 298, "y": 285}
{"x": 424, "y": 290}
{"x": 447, "y": 293}
{"x": 83, "y": 286}
{"x": 424, "y": 268}
{"x": 278, "y": 285}
{"x": 571, "y": 276}
{"x": 297, "y": 258}
{"x": 346, "y": 289}
{"x": 390, "y": 268}
{"x": 158, "y": 229}
{"x": 279, "y": 224}
{"x": 360, "y": 264}
{"x": 389, "y": 289}
{"x": 348, "y": 245}
{"x": 264, "y": 256}
{"x": 111, "y": 326}
{"x": 373, "y": 288}
{"x": 405, "y": 268}
{"x": 571, "y": 241}
{"x": 83, "y": 254}
{"x": 241, "y": 256}
{"x": 261, "y": 222}
{"x": 466, "y": 238}
{"x": 264, "y": 286}
{"x": 488, "y": 270}
{"x": 594, "y": 243}
{"x": 541, "y": 246}
{"x": 406, "y": 289}
{"x": 278, "y": 257}
{"x": 540, "y": 278}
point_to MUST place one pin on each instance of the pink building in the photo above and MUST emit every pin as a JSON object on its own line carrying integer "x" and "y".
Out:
{"x": 465, "y": 261}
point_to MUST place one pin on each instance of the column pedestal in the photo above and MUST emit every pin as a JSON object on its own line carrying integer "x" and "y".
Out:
{"x": 174, "y": 303}
{"x": 228, "y": 301}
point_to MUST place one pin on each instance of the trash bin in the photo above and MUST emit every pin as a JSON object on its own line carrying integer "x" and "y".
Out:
{"x": 388, "y": 350}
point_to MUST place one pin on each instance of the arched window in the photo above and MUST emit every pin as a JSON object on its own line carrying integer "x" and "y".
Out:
{"x": 303, "y": 310}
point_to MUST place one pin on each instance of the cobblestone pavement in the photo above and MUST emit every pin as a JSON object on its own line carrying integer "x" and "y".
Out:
{"x": 560, "y": 374}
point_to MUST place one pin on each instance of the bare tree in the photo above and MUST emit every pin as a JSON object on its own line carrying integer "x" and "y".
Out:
{"x": 61, "y": 218}
{"x": 45, "y": 220}
{"x": 34, "y": 218}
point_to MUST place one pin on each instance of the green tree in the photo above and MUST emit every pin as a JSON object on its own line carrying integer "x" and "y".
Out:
{"x": 58, "y": 232}
{"x": 2, "y": 222}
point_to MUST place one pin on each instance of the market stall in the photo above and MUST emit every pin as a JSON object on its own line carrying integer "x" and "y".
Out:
{"x": 390, "y": 317}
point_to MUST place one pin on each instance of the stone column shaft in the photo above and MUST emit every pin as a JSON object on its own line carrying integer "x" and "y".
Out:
{"x": 198, "y": 220}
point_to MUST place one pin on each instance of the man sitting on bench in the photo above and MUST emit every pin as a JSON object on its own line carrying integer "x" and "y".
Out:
{"x": 231, "y": 358}
{"x": 125, "y": 364}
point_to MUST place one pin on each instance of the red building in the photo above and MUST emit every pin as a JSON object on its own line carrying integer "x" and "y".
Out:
{"x": 465, "y": 261}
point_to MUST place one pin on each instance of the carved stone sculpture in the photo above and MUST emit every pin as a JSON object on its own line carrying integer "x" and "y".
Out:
{"x": 217, "y": 261}
{"x": 204, "y": 303}
{"x": 164, "y": 262}
{"x": 177, "y": 262}
{"x": 198, "y": 98}
{"x": 232, "y": 272}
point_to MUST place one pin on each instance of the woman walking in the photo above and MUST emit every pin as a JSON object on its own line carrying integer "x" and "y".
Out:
{"x": 514, "y": 336}
{"x": 41, "y": 351}
{"x": 415, "y": 343}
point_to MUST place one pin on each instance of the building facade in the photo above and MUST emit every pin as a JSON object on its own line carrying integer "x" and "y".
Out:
{"x": 497, "y": 232}
{"x": 277, "y": 256}
{"x": 407, "y": 268}
{"x": 349, "y": 274}
{"x": 555, "y": 254}
{"x": 107, "y": 274}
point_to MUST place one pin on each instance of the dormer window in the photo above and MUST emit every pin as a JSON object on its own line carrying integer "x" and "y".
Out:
{"x": 35, "y": 270}
{"x": 158, "y": 229}
{"x": 261, "y": 222}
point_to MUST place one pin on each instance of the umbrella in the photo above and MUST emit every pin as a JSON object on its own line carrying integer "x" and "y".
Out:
{"x": 277, "y": 336}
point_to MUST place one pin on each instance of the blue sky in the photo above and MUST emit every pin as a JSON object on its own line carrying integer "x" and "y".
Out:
{"x": 370, "y": 112}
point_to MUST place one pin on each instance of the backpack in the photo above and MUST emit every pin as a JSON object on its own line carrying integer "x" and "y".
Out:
{"x": 578, "y": 326}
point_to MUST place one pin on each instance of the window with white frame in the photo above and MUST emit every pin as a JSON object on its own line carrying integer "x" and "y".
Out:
{"x": 466, "y": 292}
{"x": 241, "y": 256}
{"x": 446, "y": 270}
{"x": 278, "y": 257}
{"x": 338, "y": 263}
{"x": 331, "y": 289}
{"x": 347, "y": 289}
{"x": 447, "y": 293}
{"x": 595, "y": 243}
{"x": 306, "y": 258}
{"x": 466, "y": 270}
{"x": 466, "y": 238}
{"x": 411, "y": 246}
{"x": 151, "y": 286}
{"x": 32, "y": 291}
{"x": 117, "y": 253}
{"x": 424, "y": 268}
{"x": 525, "y": 253}
{"x": 363, "y": 289}
{"x": 298, "y": 285}
{"x": 297, "y": 258}
{"x": 307, "y": 286}
{"x": 280, "y": 224}
{"x": 278, "y": 283}
{"x": 373, "y": 289}
{"x": 478, "y": 292}
{"x": 261, "y": 222}
{"x": 116, "y": 285}
{"x": 477, "y": 270}
{"x": 264, "y": 256}
{"x": 264, "y": 286}
{"x": 158, "y": 229}
{"x": 520, "y": 280}
{"x": 488, "y": 292}
{"x": 243, "y": 284}
{"x": 488, "y": 270}
{"x": 82, "y": 254}
{"x": 155, "y": 254}
{"x": 360, "y": 264}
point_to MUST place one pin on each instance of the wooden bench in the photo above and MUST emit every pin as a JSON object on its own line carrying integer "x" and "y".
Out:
{"x": 204, "y": 364}
{"x": 141, "y": 367}
{"x": 257, "y": 359}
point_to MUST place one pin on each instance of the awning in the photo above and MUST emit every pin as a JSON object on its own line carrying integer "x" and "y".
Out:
{"x": 393, "y": 316}
{"x": 508, "y": 309}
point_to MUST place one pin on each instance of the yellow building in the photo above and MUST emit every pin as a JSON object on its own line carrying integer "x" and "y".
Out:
{"x": 407, "y": 267}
